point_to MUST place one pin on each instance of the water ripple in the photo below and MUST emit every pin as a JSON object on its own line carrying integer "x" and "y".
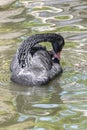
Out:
{"x": 5, "y": 16}
{"x": 6, "y": 3}
{"x": 11, "y": 35}
{"x": 46, "y": 106}
{"x": 80, "y": 7}
{"x": 45, "y": 14}
{"x": 4, "y": 73}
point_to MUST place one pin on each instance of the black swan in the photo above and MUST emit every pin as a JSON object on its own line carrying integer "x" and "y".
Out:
{"x": 33, "y": 64}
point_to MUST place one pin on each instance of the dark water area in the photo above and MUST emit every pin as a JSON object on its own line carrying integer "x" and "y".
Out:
{"x": 61, "y": 104}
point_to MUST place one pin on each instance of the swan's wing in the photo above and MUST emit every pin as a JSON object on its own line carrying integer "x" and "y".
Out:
{"x": 14, "y": 66}
{"x": 55, "y": 70}
{"x": 43, "y": 58}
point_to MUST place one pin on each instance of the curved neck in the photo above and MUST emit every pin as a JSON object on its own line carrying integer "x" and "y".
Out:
{"x": 50, "y": 37}
{"x": 27, "y": 45}
{"x": 35, "y": 39}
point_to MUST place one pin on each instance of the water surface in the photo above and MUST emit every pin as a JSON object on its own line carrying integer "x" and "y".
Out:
{"x": 61, "y": 104}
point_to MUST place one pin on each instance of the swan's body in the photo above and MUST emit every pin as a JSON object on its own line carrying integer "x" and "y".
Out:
{"x": 33, "y": 64}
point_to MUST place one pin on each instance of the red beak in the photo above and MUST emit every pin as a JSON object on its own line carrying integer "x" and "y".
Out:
{"x": 57, "y": 55}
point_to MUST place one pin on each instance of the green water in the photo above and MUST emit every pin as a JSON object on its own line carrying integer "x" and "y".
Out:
{"x": 61, "y": 104}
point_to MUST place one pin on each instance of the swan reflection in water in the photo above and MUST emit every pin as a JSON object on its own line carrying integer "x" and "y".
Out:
{"x": 38, "y": 100}
{"x": 33, "y": 64}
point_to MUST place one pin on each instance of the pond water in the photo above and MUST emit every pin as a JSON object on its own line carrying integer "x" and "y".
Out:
{"x": 61, "y": 104}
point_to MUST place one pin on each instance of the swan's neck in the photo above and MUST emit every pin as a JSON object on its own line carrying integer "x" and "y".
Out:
{"x": 27, "y": 45}
{"x": 35, "y": 39}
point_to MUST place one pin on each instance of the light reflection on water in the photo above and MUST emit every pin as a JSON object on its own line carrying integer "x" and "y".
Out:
{"x": 61, "y": 104}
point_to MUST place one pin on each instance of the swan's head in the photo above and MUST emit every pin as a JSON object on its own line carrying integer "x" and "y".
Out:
{"x": 58, "y": 44}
